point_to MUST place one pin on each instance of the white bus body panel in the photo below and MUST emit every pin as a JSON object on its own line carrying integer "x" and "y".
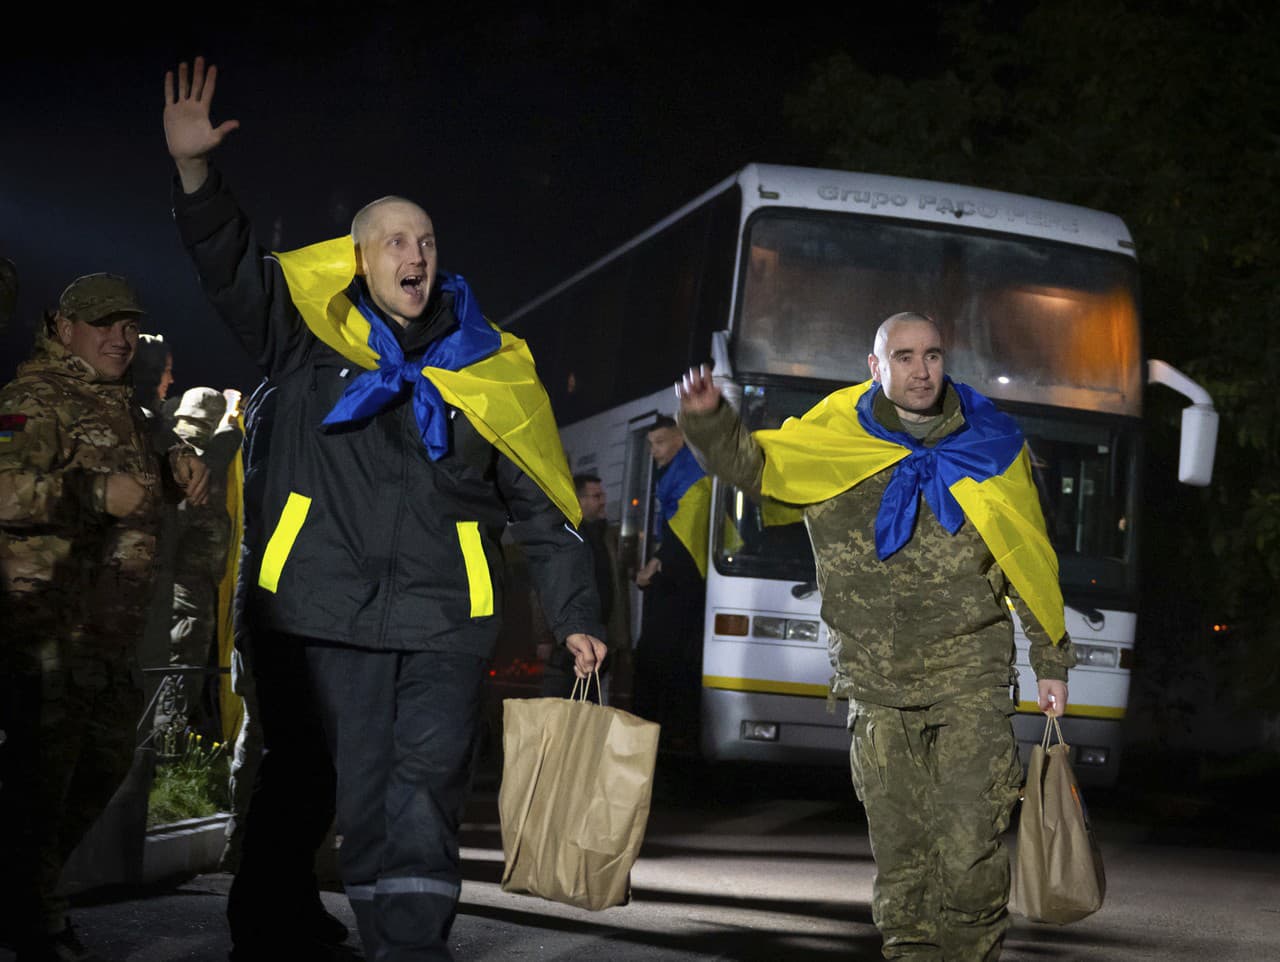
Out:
{"x": 747, "y": 679}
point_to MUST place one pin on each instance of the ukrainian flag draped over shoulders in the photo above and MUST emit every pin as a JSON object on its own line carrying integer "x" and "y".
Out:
{"x": 684, "y": 502}
{"x": 981, "y": 473}
{"x": 486, "y": 374}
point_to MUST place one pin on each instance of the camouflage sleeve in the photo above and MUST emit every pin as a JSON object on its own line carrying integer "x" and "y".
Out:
{"x": 34, "y": 488}
{"x": 725, "y": 446}
{"x": 1048, "y": 660}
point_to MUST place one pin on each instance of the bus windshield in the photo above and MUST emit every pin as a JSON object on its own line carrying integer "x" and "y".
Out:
{"x": 1083, "y": 468}
{"x": 1023, "y": 319}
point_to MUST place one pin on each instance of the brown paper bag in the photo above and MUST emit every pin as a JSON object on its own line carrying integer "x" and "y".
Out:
{"x": 1058, "y": 875}
{"x": 577, "y": 779}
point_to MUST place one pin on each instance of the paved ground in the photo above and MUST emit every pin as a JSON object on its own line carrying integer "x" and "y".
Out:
{"x": 780, "y": 871}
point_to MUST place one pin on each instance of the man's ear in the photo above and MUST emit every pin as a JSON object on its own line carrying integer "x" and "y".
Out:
{"x": 62, "y": 329}
{"x": 359, "y": 262}
{"x": 873, "y": 363}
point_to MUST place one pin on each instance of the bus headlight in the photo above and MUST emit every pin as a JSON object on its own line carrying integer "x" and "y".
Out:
{"x": 1090, "y": 755}
{"x": 789, "y": 629}
{"x": 759, "y": 731}
{"x": 1097, "y": 656}
{"x": 802, "y": 630}
{"x": 765, "y": 627}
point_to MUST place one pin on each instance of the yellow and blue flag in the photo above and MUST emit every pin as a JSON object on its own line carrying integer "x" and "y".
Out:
{"x": 981, "y": 473}
{"x": 684, "y": 504}
{"x": 486, "y": 374}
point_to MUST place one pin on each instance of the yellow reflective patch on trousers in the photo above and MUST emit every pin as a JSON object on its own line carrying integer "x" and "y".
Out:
{"x": 477, "y": 569}
{"x": 281, "y": 542}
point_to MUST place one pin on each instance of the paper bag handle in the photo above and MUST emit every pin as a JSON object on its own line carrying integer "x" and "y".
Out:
{"x": 1051, "y": 727}
{"x": 584, "y": 685}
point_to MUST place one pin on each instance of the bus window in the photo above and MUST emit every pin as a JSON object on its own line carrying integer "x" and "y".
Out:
{"x": 1023, "y": 319}
{"x": 1083, "y": 472}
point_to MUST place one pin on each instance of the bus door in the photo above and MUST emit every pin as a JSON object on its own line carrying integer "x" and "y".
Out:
{"x": 636, "y": 543}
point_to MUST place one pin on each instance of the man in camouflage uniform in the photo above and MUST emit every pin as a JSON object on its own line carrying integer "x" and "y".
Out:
{"x": 921, "y": 643}
{"x": 204, "y": 536}
{"x": 79, "y": 492}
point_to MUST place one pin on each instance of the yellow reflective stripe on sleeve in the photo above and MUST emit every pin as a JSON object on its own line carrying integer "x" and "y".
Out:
{"x": 477, "y": 569}
{"x": 281, "y": 543}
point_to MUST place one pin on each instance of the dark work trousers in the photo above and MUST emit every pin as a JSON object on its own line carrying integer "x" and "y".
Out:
{"x": 402, "y": 727}
{"x": 274, "y": 898}
{"x": 668, "y": 681}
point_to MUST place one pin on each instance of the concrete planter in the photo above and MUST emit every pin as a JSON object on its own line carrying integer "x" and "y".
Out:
{"x": 121, "y": 850}
{"x": 111, "y": 852}
{"x": 183, "y": 849}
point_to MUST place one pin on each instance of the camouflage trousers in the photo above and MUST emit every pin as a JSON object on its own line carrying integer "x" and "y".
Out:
{"x": 71, "y": 719}
{"x": 938, "y": 784}
{"x": 186, "y": 698}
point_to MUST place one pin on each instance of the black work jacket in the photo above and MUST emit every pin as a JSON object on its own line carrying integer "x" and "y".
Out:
{"x": 371, "y": 543}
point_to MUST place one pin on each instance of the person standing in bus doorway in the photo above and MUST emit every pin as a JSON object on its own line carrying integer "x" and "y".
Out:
{"x": 611, "y": 585}
{"x": 916, "y": 598}
{"x": 668, "y": 680}
{"x": 408, "y": 434}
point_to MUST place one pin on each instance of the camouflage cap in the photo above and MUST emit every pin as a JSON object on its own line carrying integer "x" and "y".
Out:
{"x": 96, "y": 297}
{"x": 201, "y": 409}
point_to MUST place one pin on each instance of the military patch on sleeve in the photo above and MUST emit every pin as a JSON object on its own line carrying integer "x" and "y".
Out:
{"x": 10, "y": 426}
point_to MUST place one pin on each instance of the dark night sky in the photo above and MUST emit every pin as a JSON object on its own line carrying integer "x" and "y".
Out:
{"x": 536, "y": 142}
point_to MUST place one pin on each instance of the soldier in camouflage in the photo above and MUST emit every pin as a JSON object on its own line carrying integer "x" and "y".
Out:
{"x": 204, "y": 420}
{"x": 79, "y": 492}
{"x": 922, "y": 645}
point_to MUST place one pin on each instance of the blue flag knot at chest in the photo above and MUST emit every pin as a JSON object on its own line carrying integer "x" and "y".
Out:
{"x": 984, "y": 446}
{"x": 374, "y": 391}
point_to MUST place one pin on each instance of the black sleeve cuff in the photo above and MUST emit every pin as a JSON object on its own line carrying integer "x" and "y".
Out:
{"x": 203, "y": 213}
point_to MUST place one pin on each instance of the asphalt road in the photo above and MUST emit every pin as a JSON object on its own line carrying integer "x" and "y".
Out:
{"x": 736, "y": 867}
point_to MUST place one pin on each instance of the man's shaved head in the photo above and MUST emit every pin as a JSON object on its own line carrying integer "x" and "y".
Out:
{"x": 366, "y": 216}
{"x": 893, "y": 320}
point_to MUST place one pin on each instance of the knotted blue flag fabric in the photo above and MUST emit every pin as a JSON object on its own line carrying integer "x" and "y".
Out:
{"x": 681, "y": 474}
{"x": 985, "y": 447}
{"x": 372, "y": 391}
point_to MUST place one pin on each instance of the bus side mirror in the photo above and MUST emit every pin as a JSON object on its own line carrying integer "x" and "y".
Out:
{"x": 1199, "y": 439}
{"x": 1199, "y": 424}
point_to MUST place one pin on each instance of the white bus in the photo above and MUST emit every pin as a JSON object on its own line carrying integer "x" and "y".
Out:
{"x": 781, "y": 275}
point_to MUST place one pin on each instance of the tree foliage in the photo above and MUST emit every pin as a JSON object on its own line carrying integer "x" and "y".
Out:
{"x": 1166, "y": 113}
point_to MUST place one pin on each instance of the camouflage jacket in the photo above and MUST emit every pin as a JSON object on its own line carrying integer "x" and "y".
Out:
{"x": 929, "y": 622}
{"x": 64, "y": 562}
{"x": 204, "y": 531}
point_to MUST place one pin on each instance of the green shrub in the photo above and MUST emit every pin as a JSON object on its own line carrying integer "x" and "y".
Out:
{"x": 191, "y": 780}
